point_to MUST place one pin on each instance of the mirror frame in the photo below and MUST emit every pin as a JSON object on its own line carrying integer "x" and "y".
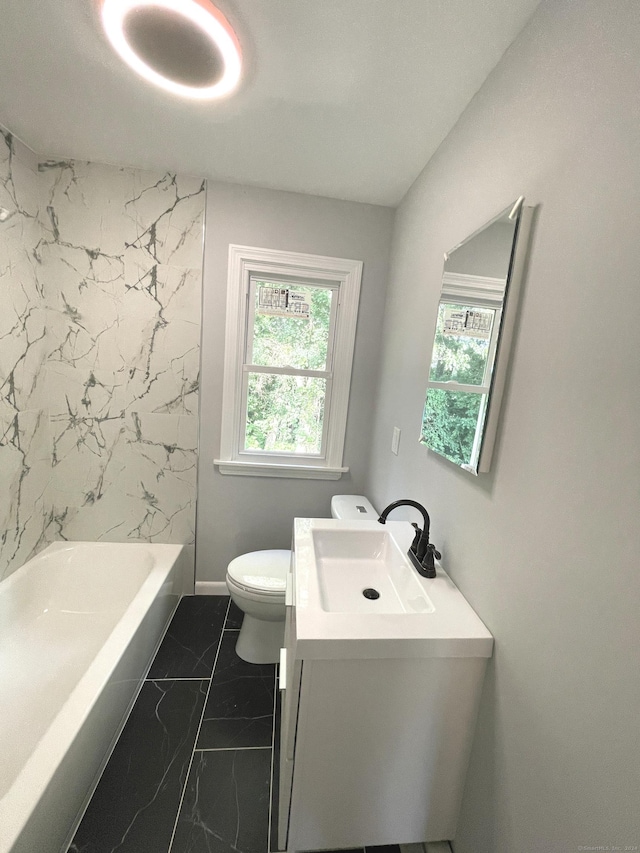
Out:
{"x": 523, "y": 217}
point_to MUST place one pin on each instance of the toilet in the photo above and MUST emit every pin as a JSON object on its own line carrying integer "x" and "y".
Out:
{"x": 257, "y": 581}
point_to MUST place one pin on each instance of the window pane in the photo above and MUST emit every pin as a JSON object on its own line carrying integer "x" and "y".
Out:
{"x": 461, "y": 347}
{"x": 285, "y": 414}
{"x": 291, "y": 326}
{"x": 449, "y": 423}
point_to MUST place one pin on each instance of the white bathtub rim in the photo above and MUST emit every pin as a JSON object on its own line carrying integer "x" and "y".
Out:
{"x": 67, "y": 545}
{"x": 29, "y": 785}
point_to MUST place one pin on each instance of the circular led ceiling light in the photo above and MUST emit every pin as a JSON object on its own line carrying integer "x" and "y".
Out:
{"x": 185, "y": 46}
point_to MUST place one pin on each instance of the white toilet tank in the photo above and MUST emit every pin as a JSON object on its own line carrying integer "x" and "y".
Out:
{"x": 352, "y": 508}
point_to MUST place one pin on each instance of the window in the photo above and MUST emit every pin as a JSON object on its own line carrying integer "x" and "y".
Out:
{"x": 290, "y": 332}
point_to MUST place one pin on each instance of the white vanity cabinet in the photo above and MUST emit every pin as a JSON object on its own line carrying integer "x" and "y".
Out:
{"x": 375, "y": 735}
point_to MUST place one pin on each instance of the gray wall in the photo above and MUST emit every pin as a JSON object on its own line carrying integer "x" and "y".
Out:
{"x": 546, "y": 547}
{"x": 239, "y": 514}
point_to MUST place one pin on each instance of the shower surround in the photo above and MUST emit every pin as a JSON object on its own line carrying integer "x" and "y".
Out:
{"x": 100, "y": 294}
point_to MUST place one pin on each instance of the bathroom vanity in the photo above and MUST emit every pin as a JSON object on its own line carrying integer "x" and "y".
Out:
{"x": 379, "y": 694}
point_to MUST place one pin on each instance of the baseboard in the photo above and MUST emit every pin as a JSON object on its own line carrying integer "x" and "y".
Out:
{"x": 428, "y": 847}
{"x": 211, "y": 588}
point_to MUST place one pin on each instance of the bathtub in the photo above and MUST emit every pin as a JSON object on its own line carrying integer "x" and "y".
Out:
{"x": 79, "y": 625}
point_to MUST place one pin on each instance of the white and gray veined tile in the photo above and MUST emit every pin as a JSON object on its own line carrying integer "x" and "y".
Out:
{"x": 18, "y": 177}
{"x": 167, "y": 215}
{"x": 163, "y": 277}
{"x": 25, "y": 473}
{"x": 23, "y": 335}
{"x": 164, "y": 372}
{"x": 161, "y": 474}
{"x": 84, "y": 456}
{"x": 123, "y": 252}
{"x": 22, "y": 315}
{"x": 100, "y": 286}
{"x": 83, "y": 301}
{"x": 83, "y": 205}
{"x": 141, "y": 484}
{"x": 24, "y": 438}
{"x": 151, "y": 289}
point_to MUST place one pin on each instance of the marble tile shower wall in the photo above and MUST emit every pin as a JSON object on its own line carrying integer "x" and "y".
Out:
{"x": 122, "y": 250}
{"x": 25, "y": 457}
{"x": 117, "y": 274}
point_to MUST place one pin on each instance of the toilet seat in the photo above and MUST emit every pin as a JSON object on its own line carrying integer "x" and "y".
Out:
{"x": 268, "y": 599}
{"x": 263, "y": 573}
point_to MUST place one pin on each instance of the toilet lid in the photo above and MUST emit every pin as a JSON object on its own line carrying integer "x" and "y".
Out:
{"x": 265, "y": 571}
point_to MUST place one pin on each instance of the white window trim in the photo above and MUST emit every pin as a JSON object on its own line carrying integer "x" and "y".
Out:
{"x": 248, "y": 261}
{"x": 461, "y": 287}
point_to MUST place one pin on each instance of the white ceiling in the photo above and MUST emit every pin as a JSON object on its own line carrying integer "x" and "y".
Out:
{"x": 340, "y": 98}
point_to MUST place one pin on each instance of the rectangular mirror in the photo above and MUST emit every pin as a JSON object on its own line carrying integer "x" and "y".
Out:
{"x": 476, "y": 313}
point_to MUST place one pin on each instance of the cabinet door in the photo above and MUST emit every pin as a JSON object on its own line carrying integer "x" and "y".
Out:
{"x": 290, "y": 678}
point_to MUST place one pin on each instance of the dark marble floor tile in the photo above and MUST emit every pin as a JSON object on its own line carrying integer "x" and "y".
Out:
{"x": 234, "y": 617}
{"x": 239, "y": 710}
{"x": 190, "y": 644}
{"x": 135, "y": 805}
{"x": 226, "y": 803}
{"x": 383, "y": 848}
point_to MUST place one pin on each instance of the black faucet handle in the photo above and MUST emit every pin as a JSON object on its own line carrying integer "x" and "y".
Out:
{"x": 427, "y": 562}
{"x": 416, "y": 539}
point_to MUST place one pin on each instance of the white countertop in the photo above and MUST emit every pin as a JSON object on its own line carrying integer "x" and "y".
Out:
{"x": 452, "y": 629}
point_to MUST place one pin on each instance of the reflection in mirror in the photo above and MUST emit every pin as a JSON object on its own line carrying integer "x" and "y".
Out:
{"x": 475, "y": 318}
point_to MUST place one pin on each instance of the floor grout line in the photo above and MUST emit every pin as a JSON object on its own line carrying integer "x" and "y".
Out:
{"x": 193, "y": 752}
{"x": 181, "y": 678}
{"x": 226, "y": 617}
{"x": 228, "y": 748}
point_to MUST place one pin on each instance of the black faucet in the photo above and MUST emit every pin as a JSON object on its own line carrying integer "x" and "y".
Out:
{"x": 422, "y": 552}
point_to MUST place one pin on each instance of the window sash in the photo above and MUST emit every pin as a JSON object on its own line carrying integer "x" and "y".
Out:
{"x": 248, "y": 368}
{"x": 290, "y": 456}
{"x": 457, "y": 386}
{"x": 287, "y": 371}
{"x": 491, "y": 352}
{"x": 292, "y": 283}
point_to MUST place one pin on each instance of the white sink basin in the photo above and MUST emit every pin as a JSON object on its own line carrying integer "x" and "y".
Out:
{"x": 364, "y": 571}
{"x": 335, "y": 561}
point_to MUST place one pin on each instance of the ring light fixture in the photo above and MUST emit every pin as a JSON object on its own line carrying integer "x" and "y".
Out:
{"x": 184, "y": 46}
